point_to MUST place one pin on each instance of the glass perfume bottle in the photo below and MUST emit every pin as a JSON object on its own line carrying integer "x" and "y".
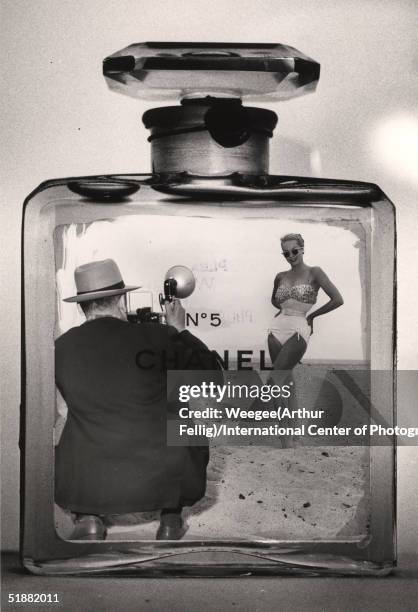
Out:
{"x": 325, "y": 506}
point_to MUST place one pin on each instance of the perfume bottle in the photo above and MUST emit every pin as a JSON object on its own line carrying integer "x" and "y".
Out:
{"x": 210, "y": 204}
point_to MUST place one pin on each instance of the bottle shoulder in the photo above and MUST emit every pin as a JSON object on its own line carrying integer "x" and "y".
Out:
{"x": 232, "y": 189}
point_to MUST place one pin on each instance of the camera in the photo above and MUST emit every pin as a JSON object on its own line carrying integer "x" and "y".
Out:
{"x": 145, "y": 315}
{"x": 170, "y": 291}
{"x": 179, "y": 282}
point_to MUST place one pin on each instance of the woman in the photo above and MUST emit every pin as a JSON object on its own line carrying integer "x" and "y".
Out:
{"x": 294, "y": 293}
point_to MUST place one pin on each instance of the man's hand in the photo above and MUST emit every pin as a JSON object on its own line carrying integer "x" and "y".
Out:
{"x": 175, "y": 315}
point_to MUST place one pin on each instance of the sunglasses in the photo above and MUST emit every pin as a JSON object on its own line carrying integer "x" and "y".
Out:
{"x": 291, "y": 252}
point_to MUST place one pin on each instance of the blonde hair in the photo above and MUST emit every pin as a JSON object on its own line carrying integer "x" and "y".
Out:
{"x": 297, "y": 237}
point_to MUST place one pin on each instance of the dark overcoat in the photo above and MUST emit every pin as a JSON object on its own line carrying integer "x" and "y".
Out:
{"x": 113, "y": 457}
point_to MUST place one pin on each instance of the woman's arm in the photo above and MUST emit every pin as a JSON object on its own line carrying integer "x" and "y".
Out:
{"x": 335, "y": 297}
{"x": 273, "y": 295}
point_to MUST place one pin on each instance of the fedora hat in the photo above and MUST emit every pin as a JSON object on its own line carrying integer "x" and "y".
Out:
{"x": 98, "y": 279}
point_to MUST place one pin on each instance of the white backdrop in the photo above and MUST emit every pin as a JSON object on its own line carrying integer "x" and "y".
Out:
{"x": 237, "y": 286}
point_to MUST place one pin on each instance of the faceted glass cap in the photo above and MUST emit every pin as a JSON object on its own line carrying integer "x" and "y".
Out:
{"x": 157, "y": 70}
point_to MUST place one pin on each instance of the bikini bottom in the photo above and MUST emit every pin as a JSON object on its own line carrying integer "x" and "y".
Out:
{"x": 283, "y": 327}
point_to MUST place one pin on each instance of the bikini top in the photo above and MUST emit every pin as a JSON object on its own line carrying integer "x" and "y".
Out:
{"x": 305, "y": 293}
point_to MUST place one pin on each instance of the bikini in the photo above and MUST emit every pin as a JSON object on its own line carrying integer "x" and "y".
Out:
{"x": 295, "y": 301}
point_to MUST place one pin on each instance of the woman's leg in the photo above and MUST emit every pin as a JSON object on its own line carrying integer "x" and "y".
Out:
{"x": 286, "y": 359}
{"x": 274, "y": 347}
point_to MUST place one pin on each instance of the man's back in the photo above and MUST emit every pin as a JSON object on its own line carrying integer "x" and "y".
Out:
{"x": 112, "y": 456}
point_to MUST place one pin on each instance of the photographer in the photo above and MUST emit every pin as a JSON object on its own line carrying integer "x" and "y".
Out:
{"x": 113, "y": 457}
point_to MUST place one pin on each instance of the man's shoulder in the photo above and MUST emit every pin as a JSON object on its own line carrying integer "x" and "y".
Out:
{"x": 155, "y": 331}
{"x": 90, "y": 329}
{"x": 68, "y": 336}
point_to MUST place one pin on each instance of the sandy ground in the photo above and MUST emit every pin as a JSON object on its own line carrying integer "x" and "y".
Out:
{"x": 265, "y": 492}
{"x": 268, "y": 493}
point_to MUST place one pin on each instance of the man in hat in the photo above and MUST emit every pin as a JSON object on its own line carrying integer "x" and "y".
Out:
{"x": 112, "y": 457}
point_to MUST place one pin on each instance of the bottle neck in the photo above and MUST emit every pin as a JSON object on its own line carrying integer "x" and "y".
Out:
{"x": 210, "y": 137}
{"x": 197, "y": 153}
